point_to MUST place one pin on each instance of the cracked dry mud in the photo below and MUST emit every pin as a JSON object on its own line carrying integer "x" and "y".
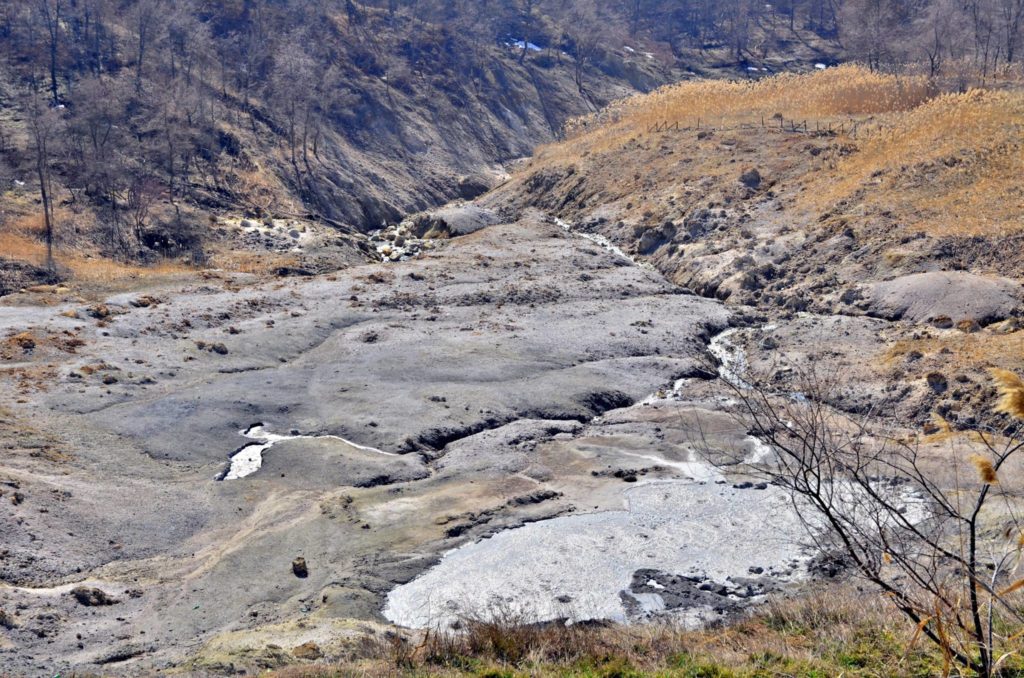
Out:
{"x": 499, "y": 372}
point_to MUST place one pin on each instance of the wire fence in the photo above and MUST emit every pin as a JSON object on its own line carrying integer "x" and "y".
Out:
{"x": 846, "y": 127}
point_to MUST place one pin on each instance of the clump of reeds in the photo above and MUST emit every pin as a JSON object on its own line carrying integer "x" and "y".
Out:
{"x": 986, "y": 470}
{"x": 1011, "y": 393}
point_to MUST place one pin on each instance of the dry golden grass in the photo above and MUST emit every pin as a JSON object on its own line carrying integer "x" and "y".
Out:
{"x": 983, "y": 349}
{"x": 837, "y": 632}
{"x": 257, "y": 263}
{"x": 82, "y": 266}
{"x": 835, "y": 94}
{"x": 1011, "y": 393}
{"x": 951, "y": 166}
{"x": 944, "y": 164}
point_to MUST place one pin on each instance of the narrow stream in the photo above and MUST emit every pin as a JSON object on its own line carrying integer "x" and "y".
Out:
{"x": 249, "y": 459}
{"x": 604, "y": 243}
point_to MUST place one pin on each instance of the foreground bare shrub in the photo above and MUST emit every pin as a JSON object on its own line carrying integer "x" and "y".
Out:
{"x": 940, "y": 539}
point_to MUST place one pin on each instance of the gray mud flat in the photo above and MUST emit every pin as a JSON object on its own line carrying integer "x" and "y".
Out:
{"x": 463, "y": 365}
{"x": 708, "y": 538}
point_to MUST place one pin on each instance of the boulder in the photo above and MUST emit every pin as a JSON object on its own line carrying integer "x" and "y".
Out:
{"x": 945, "y": 298}
{"x": 309, "y": 651}
{"x": 299, "y": 568}
{"x": 751, "y": 179}
{"x": 472, "y": 186}
{"x": 453, "y": 221}
{"x": 93, "y": 597}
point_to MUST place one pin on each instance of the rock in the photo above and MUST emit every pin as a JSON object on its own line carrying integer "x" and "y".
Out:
{"x": 299, "y": 568}
{"x": 942, "y": 322}
{"x": 25, "y": 341}
{"x": 99, "y": 311}
{"x": 1008, "y": 326}
{"x": 453, "y": 221}
{"x": 751, "y": 179}
{"x": 935, "y": 296}
{"x": 851, "y": 296}
{"x": 472, "y": 186}
{"x": 937, "y": 382}
{"x": 93, "y": 597}
{"x": 145, "y": 301}
{"x": 309, "y": 651}
{"x": 968, "y": 326}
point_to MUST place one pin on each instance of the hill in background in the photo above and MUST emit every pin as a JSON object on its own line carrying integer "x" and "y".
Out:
{"x": 157, "y": 117}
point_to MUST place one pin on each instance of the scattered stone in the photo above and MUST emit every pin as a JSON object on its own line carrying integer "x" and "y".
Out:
{"x": 93, "y": 597}
{"x": 937, "y": 382}
{"x": 751, "y": 179}
{"x": 309, "y": 651}
{"x": 25, "y": 341}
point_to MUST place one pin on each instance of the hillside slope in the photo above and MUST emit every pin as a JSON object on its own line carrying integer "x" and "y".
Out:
{"x": 842, "y": 194}
{"x": 315, "y": 115}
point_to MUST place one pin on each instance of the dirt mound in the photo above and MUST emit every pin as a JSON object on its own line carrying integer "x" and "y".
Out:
{"x": 454, "y": 220}
{"x": 945, "y": 298}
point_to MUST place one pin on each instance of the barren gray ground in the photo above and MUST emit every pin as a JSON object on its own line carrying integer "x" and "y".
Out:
{"x": 481, "y": 366}
{"x": 396, "y": 423}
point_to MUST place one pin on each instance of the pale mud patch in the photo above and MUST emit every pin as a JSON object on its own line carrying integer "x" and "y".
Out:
{"x": 685, "y": 552}
{"x": 581, "y": 567}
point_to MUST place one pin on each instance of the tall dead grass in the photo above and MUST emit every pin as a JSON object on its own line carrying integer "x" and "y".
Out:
{"x": 933, "y": 162}
{"x": 848, "y": 91}
{"x": 81, "y": 266}
{"x": 952, "y": 165}
{"x": 829, "y": 632}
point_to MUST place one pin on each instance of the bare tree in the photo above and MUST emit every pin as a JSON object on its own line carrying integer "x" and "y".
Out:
{"x": 586, "y": 35}
{"x": 918, "y": 526}
{"x": 51, "y": 18}
{"x": 940, "y": 33}
{"x": 293, "y": 83}
{"x": 44, "y": 126}
{"x": 143, "y": 192}
{"x": 147, "y": 12}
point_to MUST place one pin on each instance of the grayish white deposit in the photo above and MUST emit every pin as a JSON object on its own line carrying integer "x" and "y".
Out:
{"x": 581, "y": 567}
